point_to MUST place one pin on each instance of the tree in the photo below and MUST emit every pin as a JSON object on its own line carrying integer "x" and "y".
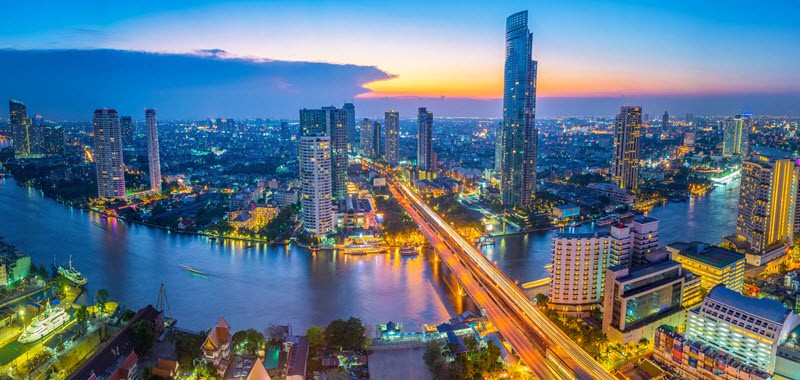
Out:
{"x": 62, "y": 283}
{"x": 316, "y": 336}
{"x": 350, "y": 334}
{"x": 541, "y": 299}
{"x": 187, "y": 347}
{"x": 143, "y": 333}
{"x": 101, "y": 297}
{"x": 247, "y": 342}
{"x": 81, "y": 314}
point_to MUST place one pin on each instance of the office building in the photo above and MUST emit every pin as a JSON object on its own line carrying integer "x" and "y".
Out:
{"x": 689, "y": 139}
{"x": 108, "y": 154}
{"x": 350, "y": 123}
{"x": 286, "y": 133}
{"x": 392, "y": 143}
{"x": 20, "y": 128}
{"x": 736, "y": 136}
{"x": 126, "y": 124}
{"x": 53, "y": 140}
{"x": 748, "y": 328}
{"x": 519, "y": 134}
{"x": 715, "y": 265}
{"x": 153, "y": 158}
{"x": 638, "y": 300}
{"x": 665, "y": 122}
{"x": 35, "y": 131}
{"x": 695, "y": 360}
{"x": 425, "y": 144}
{"x": 498, "y": 148}
{"x": 627, "y": 134}
{"x": 315, "y": 174}
{"x": 767, "y": 196}
{"x": 330, "y": 121}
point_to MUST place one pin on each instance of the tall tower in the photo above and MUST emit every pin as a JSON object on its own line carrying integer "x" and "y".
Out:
{"x": 330, "y": 121}
{"x": 665, "y": 122}
{"x": 424, "y": 142}
{"x": 126, "y": 123}
{"x": 315, "y": 174}
{"x": 108, "y": 154}
{"x": 365, "y": 138}
{"x": 519, "y": 136}
{"x": 377, "y": 153}
{"x": 350, "y": 123}
{"x": 767, "y": 202}
{"x": 736, "y": 133}
{"x": 153, "y": 158}
{"x": 18, "y": 121}
{"x": 392, "y": 125}
{"x": 627, "y": 133}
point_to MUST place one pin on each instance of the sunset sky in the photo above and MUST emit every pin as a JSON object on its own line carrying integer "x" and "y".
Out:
{"x": 455, "y": 49}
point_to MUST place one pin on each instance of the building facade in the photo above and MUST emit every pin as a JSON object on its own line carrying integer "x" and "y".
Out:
{"x": 519, "y": 135}
{"x": 715, "y": 265}
{"x": 748, "y": 328}
{"x": 767, "y": 202}
{"x": 330, "y": 121}
{"x": 20, "y": 127}
{"x": 627, "y": 136}
{"x": 736, "y": 136}
{"x": 126, "y": 124}
{"x": 108, "y": 154}
{"x": 638, "y": 300}
{"x": 578, "y": 275}
{"x": 350, "y": 124}
{"x": 53, "y": 140}
{"x": 315, "y": 174}
{"x": 392, "y": 144}
{"x": 425, "y": 143}
{"x": 153, "y": 158}
{"x": 365, "y": 138}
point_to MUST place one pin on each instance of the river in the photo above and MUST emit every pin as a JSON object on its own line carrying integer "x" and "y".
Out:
{"x": 255, "y": 286}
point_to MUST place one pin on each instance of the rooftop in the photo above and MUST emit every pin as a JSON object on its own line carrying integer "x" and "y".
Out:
{"x": 645, "y": 219}
{"x": 771, "y": 153}
{"x": 644, "y": 270}
{"x": 567, "y": 206}
{"x": 765, "y": 308}
{"x": 581, "y": 235}
{"x": 707, "y": 254}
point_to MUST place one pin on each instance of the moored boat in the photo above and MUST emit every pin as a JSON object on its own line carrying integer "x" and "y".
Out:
{"x": 72, "y": 275}
{"x": 407, "y": 250}
{"x": 44, "y": 324}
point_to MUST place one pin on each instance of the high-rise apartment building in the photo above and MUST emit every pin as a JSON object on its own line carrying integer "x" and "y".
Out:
{"x": 126, "y": 124}
{"x": 20, "y": 125}
{"x": 748, "y": 328}
{"x": 519, "y": 134}
{"x": 330, "y": 121}
{"x": 425, "y": 143}
{"x": 153, "y": 158}
{"x": 578, "y": 275}
{"x": 392, "y": 143}
{"x": 286, "y": 133}
{"x": 350, "y": 123}
{"x": 627, "y": 134}
{"x": 315, "y": 174}
{"x": 767, "y": 201}
{"x": 108, "y": 154}
{"x": 736, "y": 136}
{"x": 377, "y": 136}
{"x": 365, "y": 138}
{"x": 665, "y": 121}
{"x": 633, "y": 241}
{"x": 53, "y": 139}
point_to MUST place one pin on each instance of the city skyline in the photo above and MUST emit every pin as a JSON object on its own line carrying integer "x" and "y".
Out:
{"x": 579, "y": 67}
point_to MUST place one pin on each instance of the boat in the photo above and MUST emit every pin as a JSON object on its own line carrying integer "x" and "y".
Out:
{"x": 192, "y": 270}
{"x": 407, "y": 250}
{"x": 72, "y": 275}
{"x": 44, "y": 324}
{"x": 574, "y": 224}
{"x": 626, "y": 215}
{"x": 605, "y": 221}
{"x": 98, "y": 226}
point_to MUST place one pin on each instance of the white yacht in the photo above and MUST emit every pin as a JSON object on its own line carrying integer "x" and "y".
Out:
{"x": 44, "y": 324}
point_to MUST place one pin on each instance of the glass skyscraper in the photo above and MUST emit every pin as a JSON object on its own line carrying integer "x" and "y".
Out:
{"x": 627, "y": 136}
{"x": 519, "y": 135}
{"x": 424, "y": 142}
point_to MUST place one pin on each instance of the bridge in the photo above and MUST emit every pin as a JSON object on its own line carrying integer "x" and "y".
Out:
{"x": 542, "y": 346}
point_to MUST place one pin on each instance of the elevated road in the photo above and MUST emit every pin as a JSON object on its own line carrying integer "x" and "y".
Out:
{"x": 541, "y": 345}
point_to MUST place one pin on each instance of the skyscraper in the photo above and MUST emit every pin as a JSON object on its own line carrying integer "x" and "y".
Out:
{"x": 286, "y": 133}
{"x": 350, "y": 123}
{"x": 153, "y": 158}
{"x": 331, "y": 122}
{"x": 767, "y": 200}
{"x": 498, "y": 148}
{"x": 108, "y": 154}
{"x": 392, "y": 146}
{"x": 376, "y": 140}
{"x": 519, "y": 136}
{"x": 18, "y": 121}
{"x": 35, "y": 130}
{"x": 665, "y": 122}
{"x": 315, "y": 174}
{"x": 425, "y": 143}
{"x": 126, "y": 123}
{"x": 736, "y": 133}
{"x": 365, "y": 138}
{"x": 627, "y": 133}
{"x": 53, "y": 140}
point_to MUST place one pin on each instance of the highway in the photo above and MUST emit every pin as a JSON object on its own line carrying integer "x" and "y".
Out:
{"x": 541, "y": 345}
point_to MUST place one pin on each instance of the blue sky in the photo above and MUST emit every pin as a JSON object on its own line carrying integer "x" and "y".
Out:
{"x": 586, "y": 49}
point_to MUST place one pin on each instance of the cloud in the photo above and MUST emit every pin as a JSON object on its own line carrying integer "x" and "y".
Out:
{"x": 72, "y": 83}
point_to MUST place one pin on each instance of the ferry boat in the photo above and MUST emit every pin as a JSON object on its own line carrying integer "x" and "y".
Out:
{"x": 192, "y": 270}
{"x": 44, "y": 324}
{"x": 486, "y": 240}
{"x": 626, "y": 215}
{"x": 605, "y": 221}
{"x": 407, "y": 250}
{"x": 72, "y": 275}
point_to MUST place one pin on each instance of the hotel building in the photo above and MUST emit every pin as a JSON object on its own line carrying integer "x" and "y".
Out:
{"x": 714, "y": 265}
